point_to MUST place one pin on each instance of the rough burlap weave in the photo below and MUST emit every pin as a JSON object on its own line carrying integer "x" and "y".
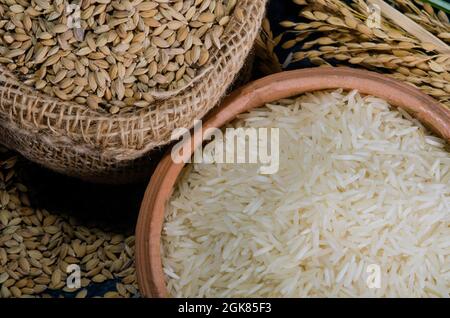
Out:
{"x": 101, "y": 147}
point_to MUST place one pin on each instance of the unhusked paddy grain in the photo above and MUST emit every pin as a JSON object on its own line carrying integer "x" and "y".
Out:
{"x": 36, "y": 246}
{"x": 110, "y": 54}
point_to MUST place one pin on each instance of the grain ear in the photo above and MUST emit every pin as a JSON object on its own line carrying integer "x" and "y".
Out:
{"x": 411, "y": 27}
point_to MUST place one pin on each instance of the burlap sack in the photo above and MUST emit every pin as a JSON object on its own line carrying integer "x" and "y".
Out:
{"x": 100, "y": 147}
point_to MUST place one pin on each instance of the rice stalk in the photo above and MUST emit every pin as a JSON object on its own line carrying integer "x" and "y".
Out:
{"x": 335, "y": 33}
{"x": 267, "y": 60}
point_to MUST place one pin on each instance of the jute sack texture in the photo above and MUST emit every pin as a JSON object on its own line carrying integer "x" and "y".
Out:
{"x": 100, "y": 147}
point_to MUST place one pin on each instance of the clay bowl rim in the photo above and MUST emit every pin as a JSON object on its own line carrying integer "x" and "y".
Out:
{"x": 269, "y": 89}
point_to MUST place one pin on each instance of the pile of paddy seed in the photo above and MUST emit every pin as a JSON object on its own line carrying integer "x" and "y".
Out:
{"x": 109, "y": 53}
{"x": 36, "y": 248}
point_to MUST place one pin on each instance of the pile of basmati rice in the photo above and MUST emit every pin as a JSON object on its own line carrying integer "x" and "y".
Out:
{"x": 360, "y": 207}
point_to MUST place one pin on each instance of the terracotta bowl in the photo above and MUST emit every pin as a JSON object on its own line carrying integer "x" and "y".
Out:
{"x": 282, "y": 85}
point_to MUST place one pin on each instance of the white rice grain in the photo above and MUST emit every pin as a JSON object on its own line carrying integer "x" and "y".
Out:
{"x": 359, "y": 184}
